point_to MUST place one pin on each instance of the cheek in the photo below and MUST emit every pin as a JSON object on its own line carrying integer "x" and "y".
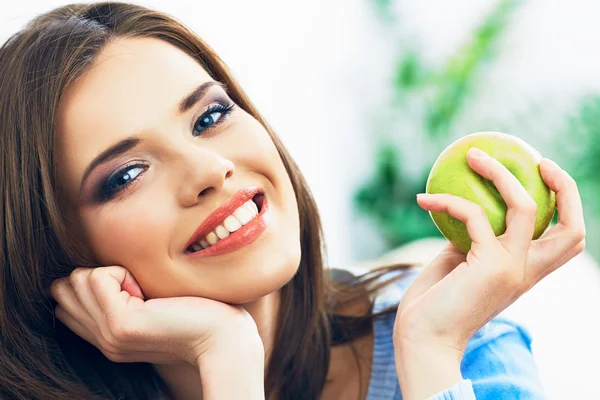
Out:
{"x": 258, "y": 153}
{"x": 271, "y": 165}
{"x": 133, "y": 234}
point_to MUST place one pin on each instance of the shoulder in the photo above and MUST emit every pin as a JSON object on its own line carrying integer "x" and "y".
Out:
{"x": 393, "y": 292}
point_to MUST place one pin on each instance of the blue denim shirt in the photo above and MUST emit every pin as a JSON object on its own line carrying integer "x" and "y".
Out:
{"x": 498, "y": 363}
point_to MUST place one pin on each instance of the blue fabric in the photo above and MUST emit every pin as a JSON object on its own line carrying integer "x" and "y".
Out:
{"x": 498, "y": 363}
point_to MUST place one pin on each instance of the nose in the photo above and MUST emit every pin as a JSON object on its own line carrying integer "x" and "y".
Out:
{"x": 205, "y": 172}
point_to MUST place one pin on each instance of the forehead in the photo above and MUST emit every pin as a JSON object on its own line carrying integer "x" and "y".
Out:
{"x": 131, "y": 74}
{"x": 134, "y": 84}
{"x": 141, "y": 74}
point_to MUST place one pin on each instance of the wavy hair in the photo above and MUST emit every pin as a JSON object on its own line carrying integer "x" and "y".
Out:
{"x": 39, "y": 357}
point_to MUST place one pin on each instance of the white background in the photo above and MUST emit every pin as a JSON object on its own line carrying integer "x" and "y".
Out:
{"x": 319, "y": 70}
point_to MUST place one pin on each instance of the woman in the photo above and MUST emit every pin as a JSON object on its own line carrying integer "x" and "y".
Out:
{"x": 159, "y": 242}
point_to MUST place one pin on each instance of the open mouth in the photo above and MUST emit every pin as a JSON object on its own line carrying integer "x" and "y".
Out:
{"x": 233, "y": 225}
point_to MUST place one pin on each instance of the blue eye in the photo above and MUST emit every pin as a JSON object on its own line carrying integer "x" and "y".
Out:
{"x": 212, "y": 117}
{"x": 120, "y": 179}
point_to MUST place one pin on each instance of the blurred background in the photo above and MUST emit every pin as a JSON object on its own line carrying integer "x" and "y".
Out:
{"x": 366, "y": 94}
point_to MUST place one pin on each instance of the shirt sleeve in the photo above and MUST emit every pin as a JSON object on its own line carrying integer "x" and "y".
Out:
{"x": 463, "y": 390}
{"x": 499, "y": 363}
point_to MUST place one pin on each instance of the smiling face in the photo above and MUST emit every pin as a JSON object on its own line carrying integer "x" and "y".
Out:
{"x": 171, "y": 169}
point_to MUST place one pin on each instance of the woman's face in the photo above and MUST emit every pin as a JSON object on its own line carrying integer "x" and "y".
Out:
{"x": 140, "y": 206}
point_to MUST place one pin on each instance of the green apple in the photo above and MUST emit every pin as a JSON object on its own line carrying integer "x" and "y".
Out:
{"x": 452, "y": 174}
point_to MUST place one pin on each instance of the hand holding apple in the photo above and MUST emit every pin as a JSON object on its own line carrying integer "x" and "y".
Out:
{"x": 452, "y": 174}
{"x": 457, "y": 293}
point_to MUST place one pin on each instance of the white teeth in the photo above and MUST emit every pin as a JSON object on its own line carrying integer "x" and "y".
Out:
{"x": 221, "y": 232}
{"x": 212, "y": 238}
{"x": 244, "y": 214}
{"x": 196, "y": 247}
{"x": 232, "y": 224}
{"x": 253, "y": 206}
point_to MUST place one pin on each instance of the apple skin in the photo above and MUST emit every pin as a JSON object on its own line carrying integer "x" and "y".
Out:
{"x": 452, "y": 174}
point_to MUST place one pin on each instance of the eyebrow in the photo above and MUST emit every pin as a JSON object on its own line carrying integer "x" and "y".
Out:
{"x": 195, "y": 95}
{"x": 112, "y": 152}
{"x": 131, "y": 142}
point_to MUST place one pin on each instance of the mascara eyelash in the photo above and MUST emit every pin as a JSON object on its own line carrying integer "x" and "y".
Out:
{"x": 106, "y": 193}
{"x": 221, "y": 107}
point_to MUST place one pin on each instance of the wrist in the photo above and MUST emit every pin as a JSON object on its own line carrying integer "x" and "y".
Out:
{"x": 234, "y": 371}
{"x": 426, "y": 369}
{"x": 244, "y": 348}
{"x": 231, "y": 365}
{"x": 238, "y": 336}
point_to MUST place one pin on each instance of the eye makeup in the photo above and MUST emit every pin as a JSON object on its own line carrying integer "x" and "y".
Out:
{"x": 111, "y": 186}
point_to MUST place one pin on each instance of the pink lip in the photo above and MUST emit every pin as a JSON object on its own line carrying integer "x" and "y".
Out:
{"x": 239, "y": 238}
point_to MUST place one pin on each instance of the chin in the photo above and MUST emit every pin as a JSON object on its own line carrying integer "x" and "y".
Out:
{"x": 264, "y": 280}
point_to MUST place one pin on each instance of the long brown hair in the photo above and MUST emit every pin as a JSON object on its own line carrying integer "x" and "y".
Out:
{"x": 39, "y": 357}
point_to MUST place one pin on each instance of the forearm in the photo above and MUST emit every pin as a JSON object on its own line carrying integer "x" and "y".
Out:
{"x": 232, "y": 374}
{"x": 424, "y": 371}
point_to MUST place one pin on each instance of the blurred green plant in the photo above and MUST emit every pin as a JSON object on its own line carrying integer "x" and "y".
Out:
{"x": 454, "y": 84}
{"x": 433, "y": 104}
{"x": 383, "y": 10}
{"x": 584, "y": 153}
{"x": 388, "y": 196}
{"x": 580, "y": 149}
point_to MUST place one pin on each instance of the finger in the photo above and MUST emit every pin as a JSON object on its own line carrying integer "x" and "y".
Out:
{"x": 569, "y": 232}
{"x": 74, "y": 325}
{"x": 471, "y": 214}
{"x": 574, "y": 251}
{"x": 552, "y": 246}
{"x": 568, "y": 201}
{"x": 436, "y": 270}
{"x": 107, "y": 284}
{"x": 80, "y": 282}
{"x": 521, "y": 208}
{"x": 64, "y": 294}
{"x": 113, "y": 355}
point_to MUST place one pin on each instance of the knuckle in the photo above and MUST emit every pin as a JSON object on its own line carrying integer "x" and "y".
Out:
{"x": 58, "y": 288}
{"x": 493, "y": 171}
{"x": 579, "y": 235}
{"x": 570, "y": 182}
{"x": 78, "y": 276}
{"x": 113, "y": 356}
{"x": 529, "y": 207}
{"x": 576, "y": 235}
{"x": 58, "y": 313}
{"x": 478, "y": 211}
{"x": 580, "y": 247}
{"x": 94, "y": 275}
{"x": 120, "y": 332}
{"x": 108, "y": 345}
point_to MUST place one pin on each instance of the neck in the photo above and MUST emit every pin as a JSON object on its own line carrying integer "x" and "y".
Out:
{"x": 184, "y": 379}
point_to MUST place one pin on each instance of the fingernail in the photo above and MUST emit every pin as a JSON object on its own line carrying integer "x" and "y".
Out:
{"x": 552, "y": 163}
{"x": 423, "y": 195}
{"x": 477, "y": 153}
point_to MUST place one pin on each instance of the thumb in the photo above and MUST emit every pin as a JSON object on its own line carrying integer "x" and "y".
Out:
{"x": 108, "y": 282}
{"x": 448, "y": 259}
{"x": 131, "y": 286}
